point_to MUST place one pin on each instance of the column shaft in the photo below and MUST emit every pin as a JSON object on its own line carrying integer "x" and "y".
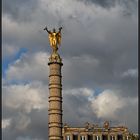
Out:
{"x": 55, "y": 101}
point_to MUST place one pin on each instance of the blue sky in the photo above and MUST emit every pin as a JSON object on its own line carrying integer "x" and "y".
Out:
{"x": 7, "y": 61}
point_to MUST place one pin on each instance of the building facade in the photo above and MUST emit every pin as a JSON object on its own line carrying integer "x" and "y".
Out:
{"x": 94, "y": 132}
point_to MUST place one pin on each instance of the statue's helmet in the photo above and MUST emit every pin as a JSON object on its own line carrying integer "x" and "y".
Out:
{"x": 54, "y": 30}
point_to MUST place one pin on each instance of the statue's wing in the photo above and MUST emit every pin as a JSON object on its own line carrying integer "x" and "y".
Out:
{"x": 58, "y": 38}
{"x": 50, "y": 39}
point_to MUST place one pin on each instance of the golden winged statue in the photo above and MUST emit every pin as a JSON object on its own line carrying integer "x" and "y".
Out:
{"x": 54, "y": 38}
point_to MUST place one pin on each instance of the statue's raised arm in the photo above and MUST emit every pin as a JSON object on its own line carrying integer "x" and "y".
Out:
{"x": 60, "y": 29}
{"x": 47, "y": 29}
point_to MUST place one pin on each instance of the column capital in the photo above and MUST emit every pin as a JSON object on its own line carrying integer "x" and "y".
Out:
{"x": 55, "y": 58}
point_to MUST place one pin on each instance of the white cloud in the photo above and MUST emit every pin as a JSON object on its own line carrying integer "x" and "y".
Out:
{"x": 130, "y": 73}
{"x": 22, "y": 121}
{"x": 84, "y": 92}
{"x": 25, "y": 97}
{"x": 109, "y": 104}
{"x": 28, "y": 138}
{"x": 6, "y": 123}
{"x": 3, "y": 81}
{"x": 33, "y": 66}
{"x": 19, "y": 31}
{"x": 29, "y": 66}
{"x": 9, "y": 50}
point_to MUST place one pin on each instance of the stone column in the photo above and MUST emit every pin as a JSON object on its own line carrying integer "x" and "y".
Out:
{"x": 94, "y": 137}
{"x": 68, "y": 137}
{"x": 78, "y": 136}
{"x": 127, "y": 137}
{"x": 100, "y": 137}
{"x": 64, "y": 137}
{"x": 124, "y": 137}
{"x": 71, "y": 137}
{"x": 108, "y": 136}
{"x": 55, "y": 98}
{"x": 97, "y": 137}
{"x": 116, "y": 137}
{"x": 86, "y": 137}
{"x": 112, "y": 137}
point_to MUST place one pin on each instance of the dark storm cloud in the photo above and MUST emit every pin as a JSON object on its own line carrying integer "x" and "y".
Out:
{"x": 25, "y": 120}
{"x": 132, "y": 126}
{"x": 126, "y": 83}
{"x": 103, "y": 3}
{"x": 113, "y": 55}
{"x": 19, "y": 10}
{"x": 35, "y": 129}
{"x": 83, "y": 112}
{"x": 129, "y": 6}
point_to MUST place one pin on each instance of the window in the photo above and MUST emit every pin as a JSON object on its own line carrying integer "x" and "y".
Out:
{"x": 75, "y": 137}
{"x": 127, "y": 137}
{"x": 67, "y": 137}
{"x": 97, "y": 137}
{"x": 82, "y": 138}
{"x": 112, "y": 137}
{"x": 104, "y": 137}
{"x": 120, "y": 137}
{"x": 90, "y": 137}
